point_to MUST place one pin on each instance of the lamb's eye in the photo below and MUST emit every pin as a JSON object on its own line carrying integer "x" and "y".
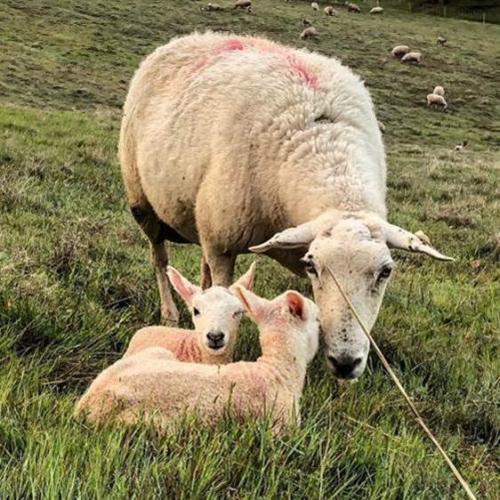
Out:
{"x": 384, "y": 273}
{"x": 238, "y": 314}
{"x": 310, "y": 268}
{"x": 196, "y": 311}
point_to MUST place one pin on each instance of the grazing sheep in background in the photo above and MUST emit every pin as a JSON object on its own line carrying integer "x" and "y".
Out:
{"x": 352, "y": 7}
{"x": 438, "y": 90}
{"x": 381, "y": 126}
{"x": 400, "y": 50}
{"x": 310, "y": 32}
{"x": 412, "y": 57}
{"x": 311, "y": 194}
{"x": 461, "y": 147}
{"x": 436, "y": 100}
{"x": 306, "y": 22}
{"x": 377, "y": 10}
{"x": 213, "y": 7}
{"x": 314, "y": 6}
{"x": 441, "y": 40}
{"x": 151, "y": 386}
{"x": 330, "y": 11}
{"x": 242, "y": 4}
{"x": 216, "y": 314}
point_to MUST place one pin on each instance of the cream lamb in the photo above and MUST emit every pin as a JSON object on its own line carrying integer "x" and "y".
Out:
{"x": 152, "y": 386}
{"x": 216, "y": 313}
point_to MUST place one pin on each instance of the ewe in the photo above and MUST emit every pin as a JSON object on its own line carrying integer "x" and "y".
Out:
{"x": 438, "y": 90}
{"x": 400, "y": 50}
{"x": 216, "y": 314}
{"x": 330, "y": 11}
{"x": 314, "y": 6}
{"x": 237, "y": 144}
{"x": 154, "y": 387}
{"x": 352, "y": 7}
{"x": 377, "y": 10}
{"x": 436, "y": 100}
{"x": 310, "y": 32}
{"x": 412, "y": 57}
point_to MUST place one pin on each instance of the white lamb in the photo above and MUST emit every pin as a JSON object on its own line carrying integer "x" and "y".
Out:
{"x": 412, "y": 57}
{"x": 352, "y": 7}
{"x": 377, "y": 10}
{"x": 438, "y": 90}
{"x": 216, "y": 314}
{"x": 239, "y": 143}
{"x": 400, "y": 50}
{"x": 152, "y": 386}
{"x": 315, "y": 6}
{"x": 436, "y": 100}
{"x": 330, "y": 11}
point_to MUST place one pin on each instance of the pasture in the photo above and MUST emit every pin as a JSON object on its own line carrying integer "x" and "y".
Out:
{"x": 75, "y": 278}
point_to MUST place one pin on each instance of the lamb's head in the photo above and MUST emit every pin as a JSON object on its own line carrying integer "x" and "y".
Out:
{"x": 288, "y": 323}
{"x": 355, "y": 248}
{"x": 216, "y": 312}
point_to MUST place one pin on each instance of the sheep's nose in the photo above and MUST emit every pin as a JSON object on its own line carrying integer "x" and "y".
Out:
{"x": 215, "y": 336}
{"x": 344, "y": 366}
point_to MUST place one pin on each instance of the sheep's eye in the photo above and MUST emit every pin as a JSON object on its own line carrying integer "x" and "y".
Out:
{"x": 310, "y": 268}
{"x": 238, "y": 314}
{"x": 384, "y": 273}
{"x": 196, "y": 311}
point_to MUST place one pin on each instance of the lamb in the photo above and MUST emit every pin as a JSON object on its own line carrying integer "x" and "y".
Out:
{"x": 352, "y": 7}
{"x": 243, "y": 4}
{"x": 315, "y": 6}
{"x": 400, "y": 50}
{"x": 306, "y": 22}
{"x": 330, "y": 11}
{"x": 310, "y": 32}
{"x": 412, "y": 57}
{"x": 213, "y": 7}
{"x": 377, "y": 10}
{"x": 216, "y": 314}
{"x": 438, "y": 90}
{"x": 150, "y": 385}
{"x": 460, "y": 148}
{"x": 300, "y": 157}
{"x": 441, "y": 40}
{"x": 436, "y": 100}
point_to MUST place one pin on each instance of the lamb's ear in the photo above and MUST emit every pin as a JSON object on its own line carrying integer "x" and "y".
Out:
{"x": 245, "y": 280}
{"x": 296, "y": 304}
{"x": 255, "y": 306}
{"x": 293, "y": 237}
{"x": 397, "y": 237}
{"x": 182, "y": 286}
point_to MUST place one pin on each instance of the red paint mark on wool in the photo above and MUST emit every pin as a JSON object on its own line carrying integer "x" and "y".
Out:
{"x": 301, "y": 69}
{"x": 233, "y": 44}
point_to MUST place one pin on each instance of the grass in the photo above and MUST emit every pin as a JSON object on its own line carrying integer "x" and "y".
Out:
{"x": 75, "y": 281}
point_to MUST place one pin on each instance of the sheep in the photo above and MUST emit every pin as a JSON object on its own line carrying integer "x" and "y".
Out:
{"x": 213, "y": 7}
{"x": 460, "y": 148}
{"x": 306, "y": 22}
{"x": 216, "y": 314}
{"x": 310, "y": 32}
{"x": 441, "y": 40}
{"x": 315, "y": 6}
{"x": 377, "y": 10}
{"x": 400, "y": 50}
{"x": 330, "y": 11}
{"x": 438, "y": 90}
{"x": 436, "y": 100}
{"x": 310, "y": 193}
{"x": 243, "y": 4}
{"x": 352, "y": 7}
{"x": 154, "y": 387}
{"x": 412, "y": 57}
{"x": 381, "y": 126}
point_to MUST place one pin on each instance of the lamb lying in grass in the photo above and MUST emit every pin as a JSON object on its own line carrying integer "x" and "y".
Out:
{"x": 216, "y": 314}
{"x": 151, "y": 385}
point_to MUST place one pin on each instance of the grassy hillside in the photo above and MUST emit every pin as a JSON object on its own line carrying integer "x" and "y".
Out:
{"x": 75, "y": 281}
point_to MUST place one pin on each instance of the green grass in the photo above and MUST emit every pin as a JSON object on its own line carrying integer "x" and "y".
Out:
{"x": 75, "y": 281}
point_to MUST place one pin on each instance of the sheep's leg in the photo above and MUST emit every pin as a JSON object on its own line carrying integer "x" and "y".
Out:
{"x": 156, "y": 231}
{"x": 206, "y": 275}
{"x": 221, "y": 268}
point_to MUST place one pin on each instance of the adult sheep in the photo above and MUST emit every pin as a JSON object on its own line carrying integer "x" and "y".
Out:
{"x": 238, "y": 143}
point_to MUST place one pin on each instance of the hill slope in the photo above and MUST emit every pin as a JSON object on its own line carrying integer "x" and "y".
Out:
{"x": 75, "y": 279}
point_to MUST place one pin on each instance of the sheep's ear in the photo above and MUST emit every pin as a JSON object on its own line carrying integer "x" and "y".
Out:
{"x": 296, "y": 305}
{"x": 397, "y": 237}
{"x": 255, "y": 306}
{"x": 182, "y": 286}
{"x": 293, "y": 237}
{"x": 246, "y": 280}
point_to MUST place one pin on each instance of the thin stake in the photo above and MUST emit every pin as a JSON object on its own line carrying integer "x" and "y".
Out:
{"x": 394, "y": 377}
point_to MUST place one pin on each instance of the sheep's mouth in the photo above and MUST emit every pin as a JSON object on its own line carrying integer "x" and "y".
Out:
{"x": 216, "y": 344}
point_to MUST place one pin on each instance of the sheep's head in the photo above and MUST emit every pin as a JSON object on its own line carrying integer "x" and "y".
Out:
{"x": 216, "y": 312}
{"x": 355, "y": 247}
{"x": 288, "y": 324}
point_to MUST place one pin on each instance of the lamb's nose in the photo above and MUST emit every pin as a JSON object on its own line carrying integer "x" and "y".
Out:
{"x": 344, "y": 366}
{"x": 215, "y": 337}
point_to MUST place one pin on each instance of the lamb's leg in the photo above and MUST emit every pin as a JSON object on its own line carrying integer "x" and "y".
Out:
{"x": 221, "y": 268}
{"x": 154, "y": 230}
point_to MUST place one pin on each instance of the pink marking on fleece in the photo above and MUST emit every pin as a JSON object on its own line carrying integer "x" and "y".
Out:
{"x": 188, "y": 350}
{"x": 294, "y": 62}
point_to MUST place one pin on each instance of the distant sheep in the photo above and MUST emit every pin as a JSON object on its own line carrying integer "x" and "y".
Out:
{"x": 310, "y": 32}
{"x": 461, "y": 147}
{"x": 436, "y": 100}
{"x": 377, "y": 10}
{"x": 314, "y": 6}
{"x": 216, "y": 314}
{"x": 352, "y": 7}
{"x": 242, "y": 4}
{"x": 213, "y": 7}
{"x": 438, "y": 90}
{"x": 150, "y": 386}
{"x": 306, "y": 22}
{"x": 441, "y": 40}
{"x": 330, "y": 11}
{"x": 412, "y": 57}
{"x": 400, "y": 50}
